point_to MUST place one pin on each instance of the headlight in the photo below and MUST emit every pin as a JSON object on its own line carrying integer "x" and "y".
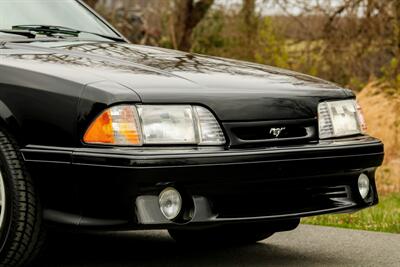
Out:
{"x": 155, "y": 125}
{"x": 340, "y": 118}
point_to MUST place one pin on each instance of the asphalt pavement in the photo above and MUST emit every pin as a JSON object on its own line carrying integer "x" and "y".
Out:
{"x": 306, "y": 246}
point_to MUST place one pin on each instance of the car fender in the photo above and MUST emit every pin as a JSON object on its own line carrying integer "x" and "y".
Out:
{"x": 9, "y": 122}
{"x": 98, "y": 96}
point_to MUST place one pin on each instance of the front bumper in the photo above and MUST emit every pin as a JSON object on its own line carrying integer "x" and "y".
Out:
{"x": 117, "y": 187}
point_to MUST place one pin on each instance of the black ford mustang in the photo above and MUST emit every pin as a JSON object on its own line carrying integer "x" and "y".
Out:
{"x": 100, "y": 134}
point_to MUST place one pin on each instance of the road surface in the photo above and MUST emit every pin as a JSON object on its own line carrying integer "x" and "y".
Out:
{"x": 306, "y": 246}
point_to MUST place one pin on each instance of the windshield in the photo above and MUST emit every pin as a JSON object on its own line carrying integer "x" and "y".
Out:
{"x": 65, "y": 13}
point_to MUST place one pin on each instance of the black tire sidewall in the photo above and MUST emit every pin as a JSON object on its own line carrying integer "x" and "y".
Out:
{"x": 9, "y": 188}
{"x": 23, "y": 233}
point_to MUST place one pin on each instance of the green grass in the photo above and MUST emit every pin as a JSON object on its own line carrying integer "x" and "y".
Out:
{"x": 385, "y": 217}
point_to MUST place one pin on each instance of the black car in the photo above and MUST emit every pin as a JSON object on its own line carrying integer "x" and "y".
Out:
{"x": 99, "y": 134}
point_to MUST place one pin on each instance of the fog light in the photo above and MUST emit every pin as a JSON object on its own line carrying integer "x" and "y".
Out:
{"x": 170, "y": 203}
{"x": 363, "y": 185}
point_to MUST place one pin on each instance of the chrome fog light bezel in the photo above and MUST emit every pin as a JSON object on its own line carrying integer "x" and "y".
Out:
{"x": 170, "y": 198}
{"x": 364, "y": 186}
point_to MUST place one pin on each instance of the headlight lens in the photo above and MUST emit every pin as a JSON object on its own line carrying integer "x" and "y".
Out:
{"x": 167, "y": 124}
{"x": 155, "y": 125}
{"x": 340, "y": 118}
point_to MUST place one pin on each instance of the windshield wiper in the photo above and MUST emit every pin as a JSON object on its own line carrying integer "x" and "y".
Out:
{"x": 19, "y": 32}
{"x": 50, "y": 30}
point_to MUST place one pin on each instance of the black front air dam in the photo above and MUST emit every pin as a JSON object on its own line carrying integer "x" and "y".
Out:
{"x": 108, "y": 182}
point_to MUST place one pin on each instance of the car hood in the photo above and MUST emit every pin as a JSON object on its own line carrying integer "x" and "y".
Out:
{"x": 235, "y": 90}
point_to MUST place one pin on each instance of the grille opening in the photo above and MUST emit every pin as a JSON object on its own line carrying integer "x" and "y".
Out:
{"x": 250, "y": 134}
{"x": 262, "y": 133}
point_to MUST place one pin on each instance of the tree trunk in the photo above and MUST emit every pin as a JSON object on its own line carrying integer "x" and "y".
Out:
{"x": 395, "y": 42}
{"x": 248, "y": 11}
{"x": 91, "y": 3}
{"x": 396, "y": 26}
{"x": 250, "y": 26}
{"x": 189, "y": 15}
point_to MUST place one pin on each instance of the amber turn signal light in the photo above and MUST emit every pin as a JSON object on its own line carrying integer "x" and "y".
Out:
{"x": 116, "y": 126}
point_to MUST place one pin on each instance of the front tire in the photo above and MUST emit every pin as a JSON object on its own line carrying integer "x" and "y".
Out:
{"x": 21, "y": 232}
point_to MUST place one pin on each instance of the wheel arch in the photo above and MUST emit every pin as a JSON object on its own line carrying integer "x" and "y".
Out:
{"x": 10, "y": 123}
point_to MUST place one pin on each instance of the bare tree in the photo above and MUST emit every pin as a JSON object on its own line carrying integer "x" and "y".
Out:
{"x": 348, "y": 41}
{"x": 188, "y": 14}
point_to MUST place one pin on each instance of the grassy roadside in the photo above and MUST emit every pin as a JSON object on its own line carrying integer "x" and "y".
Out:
{"x": 385, "y": 217}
